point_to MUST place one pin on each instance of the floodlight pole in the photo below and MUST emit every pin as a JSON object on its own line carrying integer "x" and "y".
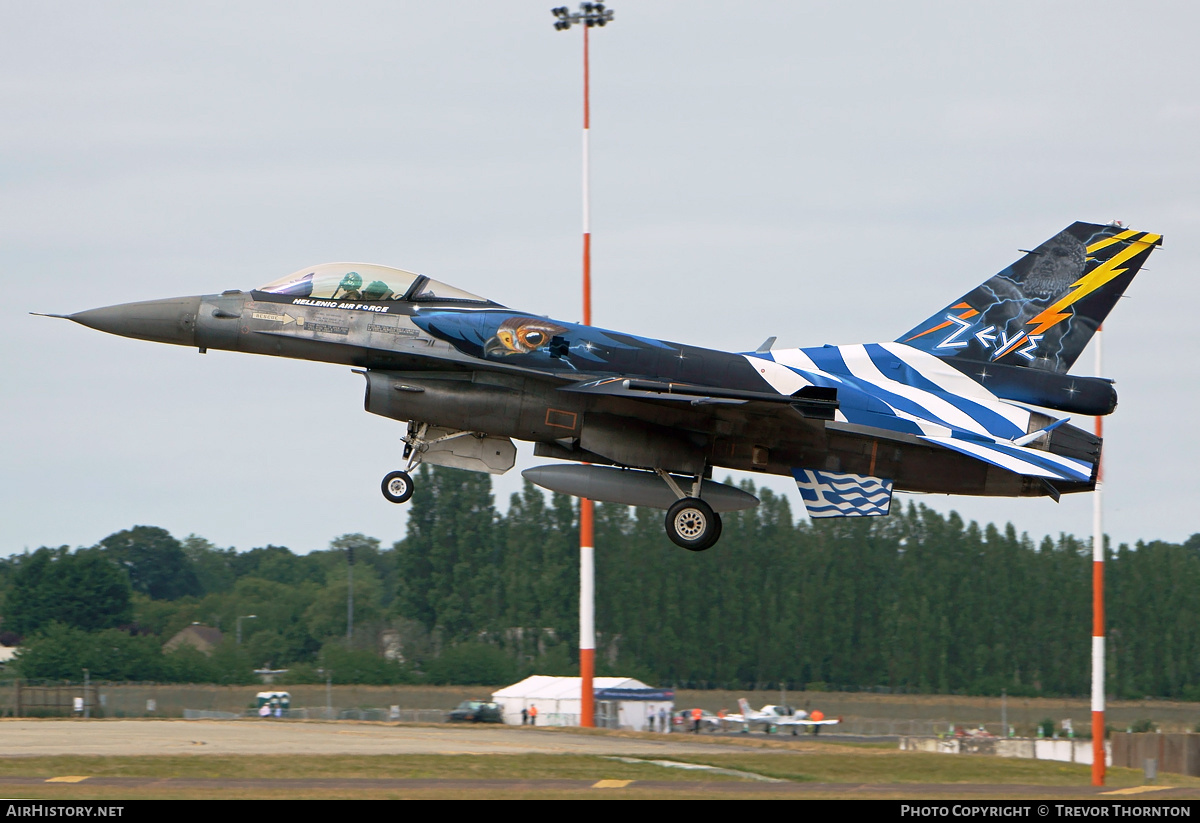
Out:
{"x": 589, "y": 15}
{"x": 349, "y": 594}
{"x": 1098, "y": 756}
{"x": 239, "y": 625}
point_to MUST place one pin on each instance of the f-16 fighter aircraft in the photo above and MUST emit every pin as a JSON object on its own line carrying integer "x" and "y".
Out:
{"x": 940, "y": 409}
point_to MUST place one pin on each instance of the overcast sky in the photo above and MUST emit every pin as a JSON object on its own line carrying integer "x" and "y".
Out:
{"x": 823, "y": 172}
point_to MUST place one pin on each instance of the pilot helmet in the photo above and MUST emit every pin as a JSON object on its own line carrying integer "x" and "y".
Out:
{"x": 351, "y": 281}
{"x": 376, "y": 290}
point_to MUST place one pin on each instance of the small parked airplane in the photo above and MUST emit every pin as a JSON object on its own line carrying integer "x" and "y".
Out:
{"x": 937, "y": 410}
{"x": 772, "y": 717}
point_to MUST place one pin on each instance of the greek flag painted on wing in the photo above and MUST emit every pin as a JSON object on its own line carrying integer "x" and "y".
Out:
{"x": 830, "y": 494}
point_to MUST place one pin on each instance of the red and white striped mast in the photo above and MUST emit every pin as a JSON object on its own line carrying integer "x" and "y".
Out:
{"x": 1098, "y": 755}
{"x": 588, "y": 16}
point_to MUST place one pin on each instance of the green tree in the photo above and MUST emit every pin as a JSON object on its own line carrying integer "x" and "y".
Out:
{"x": 446, "y": 563}
{"x": 326, "y": 614}
{"x": 82, "y": 590}
{"x": 539, "y": 573}
{"x": 61, "y": 652}
{"x": 472, "y": 664}
{"x": 279, "y": 564}
{"x": 361, "y": 666}
{"x": 155, "y": 561}
{"x": 213, "y": 567}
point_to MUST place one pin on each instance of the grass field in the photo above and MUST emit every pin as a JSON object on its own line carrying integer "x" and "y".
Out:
{"x": 858, "y": 771}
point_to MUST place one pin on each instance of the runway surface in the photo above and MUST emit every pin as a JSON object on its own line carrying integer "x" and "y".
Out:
{"x": 115, "y": 738}
{"x": 367, "y": 787}
{"x": 175, "y": 737}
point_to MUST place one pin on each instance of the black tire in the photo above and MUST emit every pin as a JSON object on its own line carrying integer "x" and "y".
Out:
{"x": 692, "y": 524}
{"x": 397, "y": 487}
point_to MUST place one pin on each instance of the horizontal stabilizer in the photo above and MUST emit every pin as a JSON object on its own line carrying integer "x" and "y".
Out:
{"x": 1032, "y": 436}
{"x": 832, "y": 494}
{"x": 1020, "y": 460}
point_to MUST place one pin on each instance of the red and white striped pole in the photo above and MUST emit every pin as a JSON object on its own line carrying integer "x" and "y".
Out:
{"x": 1098, "y": 753}
{"x": 587, "y": 551}
{"x": 590, "y": 14}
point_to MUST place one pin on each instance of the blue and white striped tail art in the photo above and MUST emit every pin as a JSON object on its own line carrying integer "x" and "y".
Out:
{"x": 830, "y": 494}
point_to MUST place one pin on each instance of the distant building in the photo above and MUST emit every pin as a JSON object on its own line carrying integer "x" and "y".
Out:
{"x": 621, "y": 702}
{"x": 204, "y": 638}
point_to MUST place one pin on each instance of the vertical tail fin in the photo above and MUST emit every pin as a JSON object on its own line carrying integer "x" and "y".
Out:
{"x": 1041, "y": 311}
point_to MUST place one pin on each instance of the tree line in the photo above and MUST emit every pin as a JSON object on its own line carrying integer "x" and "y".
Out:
{"x": 916, "y": 602}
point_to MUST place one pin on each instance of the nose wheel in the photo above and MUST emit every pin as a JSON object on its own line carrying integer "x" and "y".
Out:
{"x": 397, "y": 487}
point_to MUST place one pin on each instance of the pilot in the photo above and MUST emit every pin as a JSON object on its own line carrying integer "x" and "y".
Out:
{"x": 377, "y": 290}
{"x": 349, "y": 287}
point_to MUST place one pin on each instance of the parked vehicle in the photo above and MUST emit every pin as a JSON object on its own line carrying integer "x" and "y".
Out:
{"x": 476, "y": 711}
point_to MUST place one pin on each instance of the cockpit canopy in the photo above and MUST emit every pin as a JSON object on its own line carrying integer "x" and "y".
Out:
{"x": 366, "y": 281}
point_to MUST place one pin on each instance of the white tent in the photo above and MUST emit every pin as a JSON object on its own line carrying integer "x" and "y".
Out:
{"x": 621, "y": 702}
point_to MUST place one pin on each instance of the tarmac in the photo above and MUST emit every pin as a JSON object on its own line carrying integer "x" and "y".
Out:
{"x": 28, "y": 738}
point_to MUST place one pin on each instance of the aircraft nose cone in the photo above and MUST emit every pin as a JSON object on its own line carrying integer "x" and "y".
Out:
{"x": 163, "y": 321}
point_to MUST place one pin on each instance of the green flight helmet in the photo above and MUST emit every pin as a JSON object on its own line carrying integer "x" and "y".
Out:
{"x": 377, "y": 290}
{"x": 351, "y": 282}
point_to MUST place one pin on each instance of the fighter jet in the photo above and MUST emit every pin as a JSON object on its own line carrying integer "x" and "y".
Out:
{"x": 943, "y": 408}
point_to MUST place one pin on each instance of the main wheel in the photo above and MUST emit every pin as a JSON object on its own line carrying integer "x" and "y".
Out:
{"x": 397, "y": 487}
{"x": 692, "y": 524}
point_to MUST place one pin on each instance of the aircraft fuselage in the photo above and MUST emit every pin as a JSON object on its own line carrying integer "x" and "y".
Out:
{"x": 445, "y": 365}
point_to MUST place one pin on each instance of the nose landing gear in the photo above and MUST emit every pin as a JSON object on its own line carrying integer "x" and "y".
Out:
{"x": 397, "y": 487}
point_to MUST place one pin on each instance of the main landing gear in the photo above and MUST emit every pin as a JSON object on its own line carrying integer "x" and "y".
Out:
{"x": 691, "y": 523}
